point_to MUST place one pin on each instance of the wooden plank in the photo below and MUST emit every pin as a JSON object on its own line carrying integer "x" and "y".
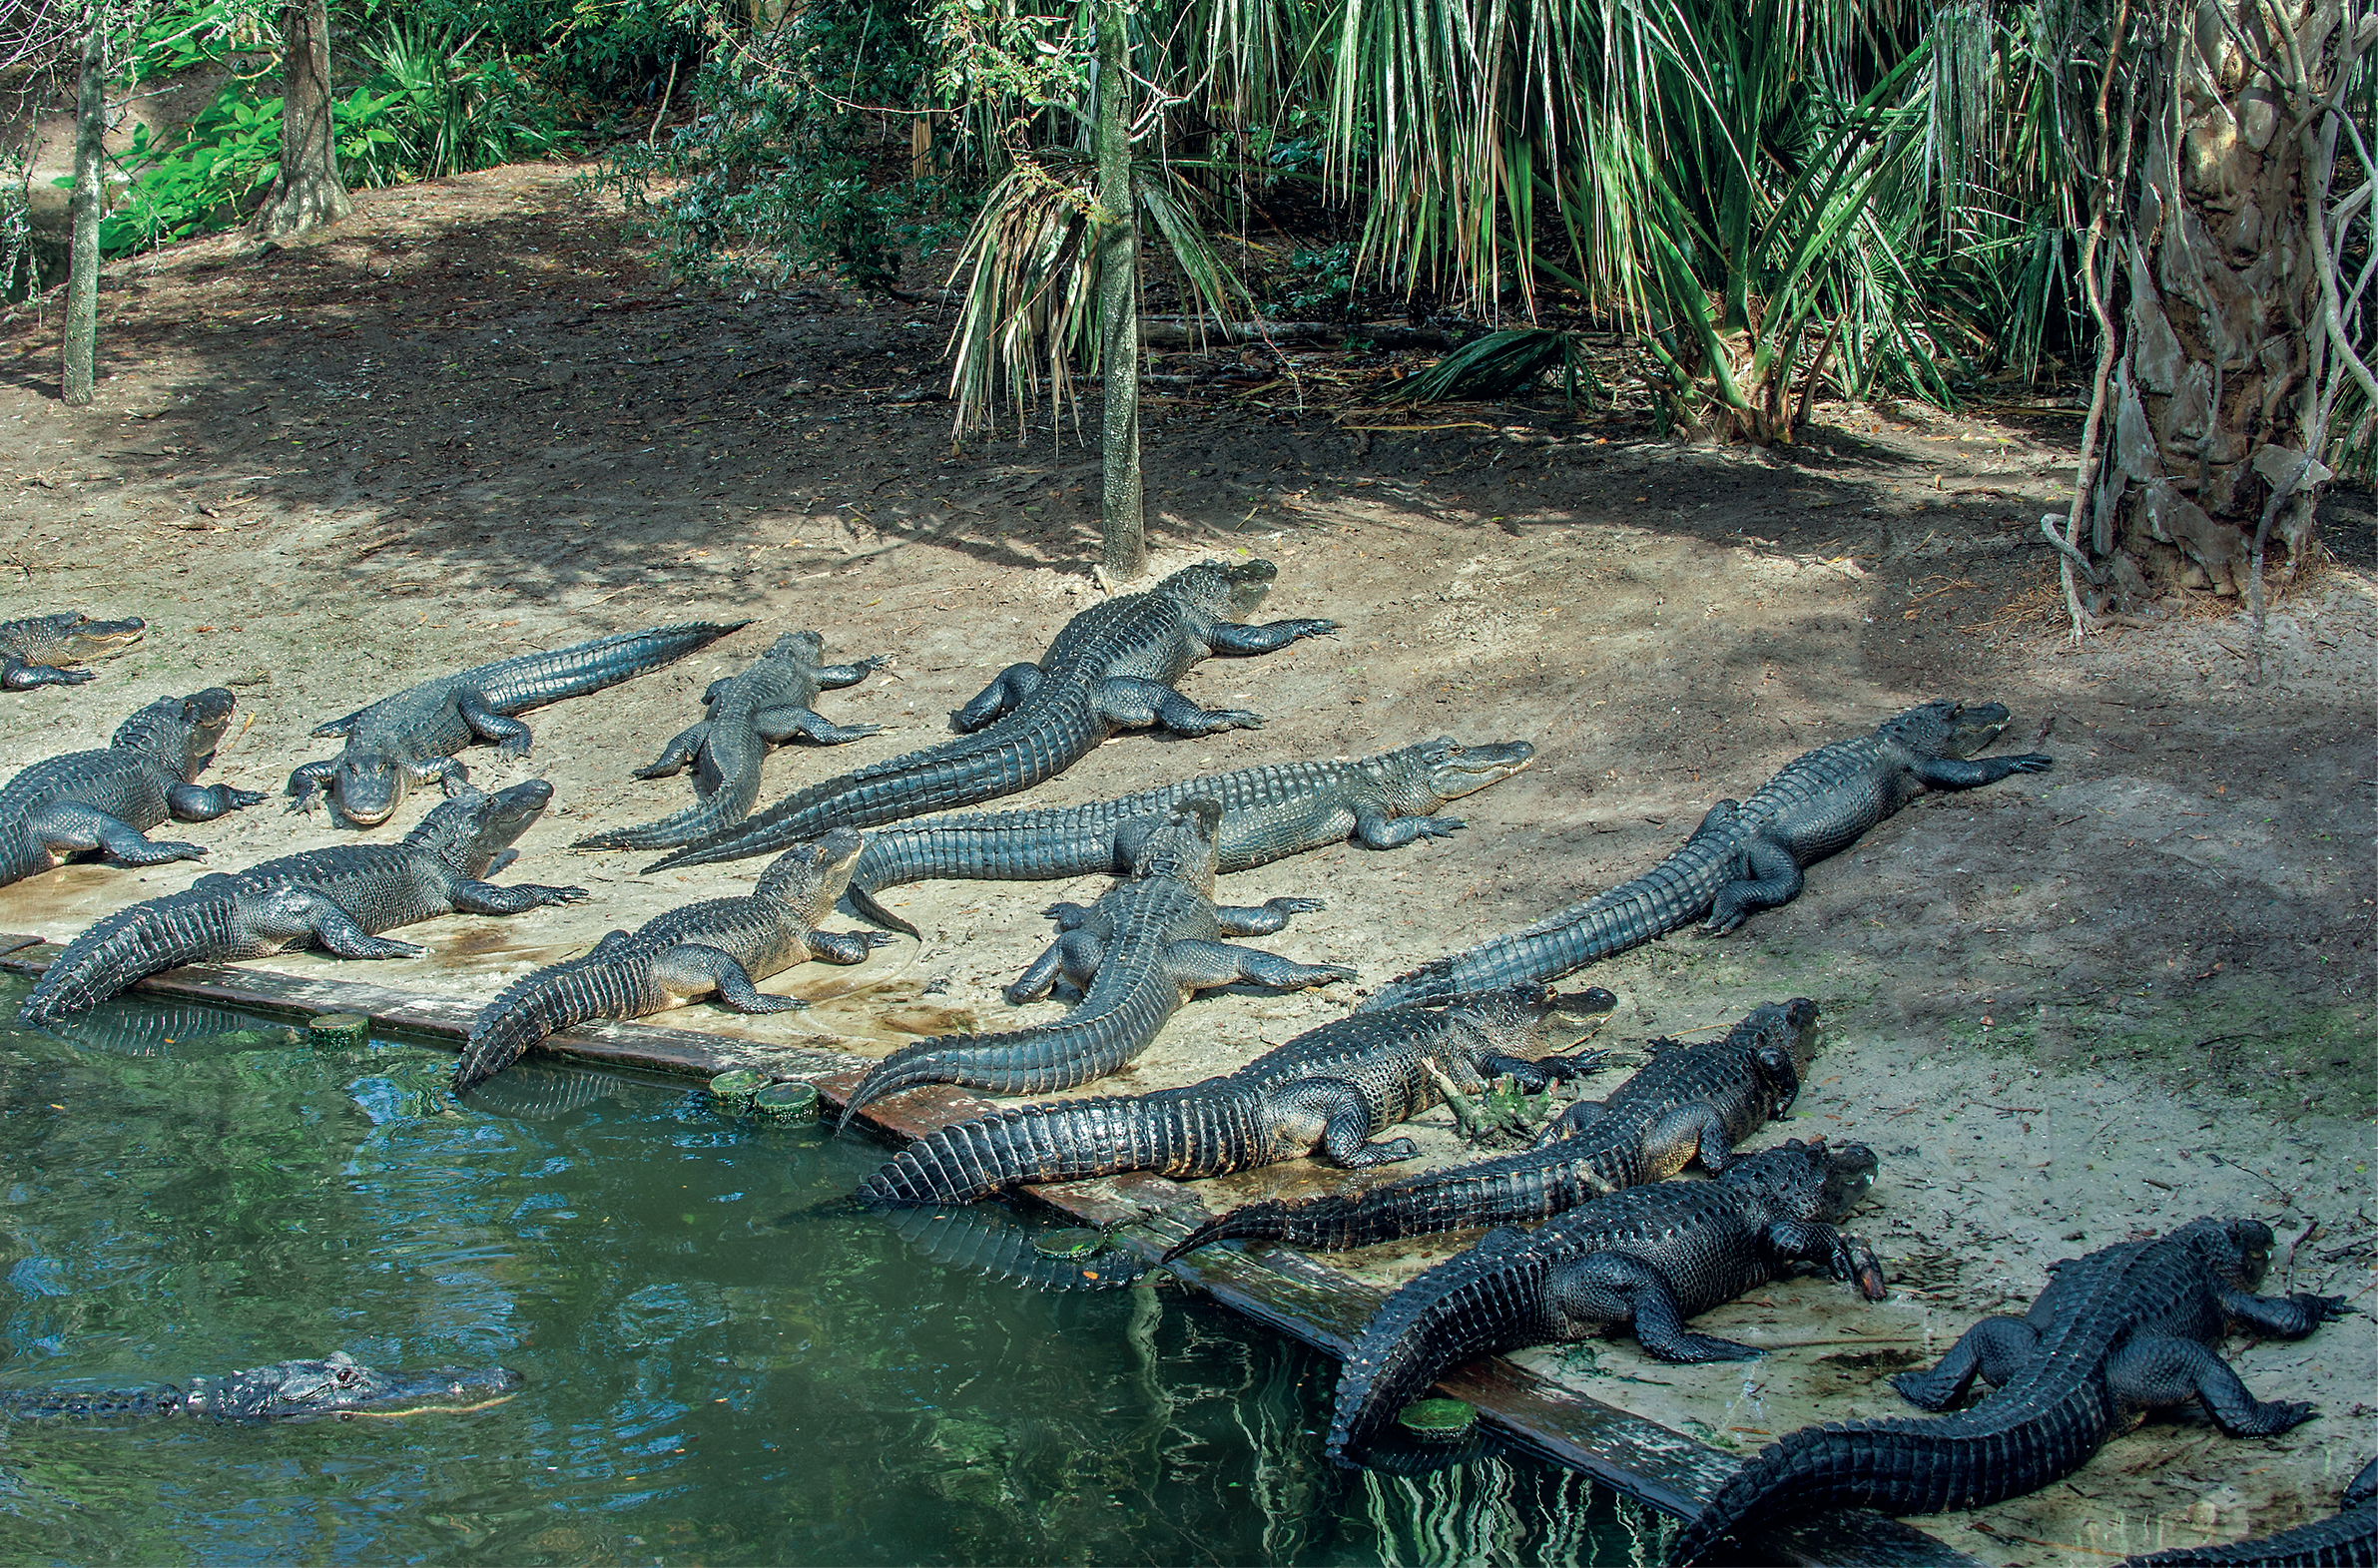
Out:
{"x": 1278, "y": 1287}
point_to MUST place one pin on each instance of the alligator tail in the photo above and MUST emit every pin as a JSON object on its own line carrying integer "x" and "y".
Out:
{"x": 513, "y": 686}
{"x": 1074, "y": 1050}
{"x": 188, "y": 927}
{"x": 715, "y": 812}
{"x": 545, "y": 1003}
{"x": 1478, "y": 1303}
{"x": 1013, "y": 846}
{"x": 1532, "y": 1184}
{"x": 1180, "y": 1134}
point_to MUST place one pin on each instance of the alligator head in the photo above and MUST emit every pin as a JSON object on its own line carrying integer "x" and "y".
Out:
{"x": 1786, "y": 1033}
{"x": 1810, "y": 1181}
{"x": 180, "y": 732}
{"x": 806, "y": 648}
{"x": 1183, "y": 847}
{"x": 809, "y": 878}
{"x": 1232, "y": 588}
{"x": 293, "y": 1390}
{"x": 472, "y": 830}
{"x": 72, "y": 637}
{"x": 1946, "y": 729}
{"x": 2237, "y": 1252}
{"x": 1517, "y": 1017}
{"x": 1420, "y": 778}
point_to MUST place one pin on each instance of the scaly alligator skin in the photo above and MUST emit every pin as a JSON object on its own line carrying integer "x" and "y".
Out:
{"x": 1335, "y": 1089}
{"x": 1690, "y": 1102}
{"x": 2127, "y": 1329}
{"x": 1746, "y": 858}
{"x": 1112, "y": 668}
{"x": 2347, "y": 1538}
{"x": 36, "y": 649}
{"x": 108, "y": 800}
{"x": 338, "y": 898}
{"x": 407, "y": 739}
{"x": 1139, "y": 954}
{"x": 1268, "y": 814}
{"x": 283, "y": 1392}
{"x": 715, "y": 948}
{"x": 771, "y": 704}
{"x": 1652, "y": 1256}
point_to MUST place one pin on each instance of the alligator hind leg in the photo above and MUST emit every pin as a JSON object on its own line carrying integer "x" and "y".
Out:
{"x": 678, "y": 754}
{"x": 1012, "y": 686}
{"x": 507, "y": 734}
{"x": 690, "y": 969}
{"x": 1262, "y": 920}
{"x": 1133, "y": 704}
{"x": 300, "y": 911}
{"x": 1202, "y": 965}
{"x": 1346, "y": 1123}
{"x": 1993, "y": 1349}
{"x": 1775, "y": 878}
{"x": 2160, "y": 1369}
{"x": 1076, "y": 955}
{"x": 68, "y": 828}
{"x": 1609, "y": 1288}
{"x": 781, "y": 724}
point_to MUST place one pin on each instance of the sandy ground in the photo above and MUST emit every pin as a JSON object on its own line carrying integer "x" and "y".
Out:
{"x": 2067, "y": 1009}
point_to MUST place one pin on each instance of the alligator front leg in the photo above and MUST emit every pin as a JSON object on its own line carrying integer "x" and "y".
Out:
{"x": 782, "y": 725}
{"x": 833, "y": 676}
{"x": 1262, "y": 920}
{"x": 1610, "y": 1287}
{"x": 678, "y": 755}
{"x": 508, "y": 735}
{"x": 1130, "y": 702}
{"x": 22, "y": 676}
{"x": 845, "y": 947}
{"x": 309, "y": 782}
{"x": 1539, "y": 1074}
{"x": 1012, "y": 686}
{"x": 1228, "y": 637}
{"x": 1685, "y": 1134}
{"x": 692, "y": 969}
{"x": 1200, "y": 966}
{"x": 70, "y": 827}
{"x": 1845, "y": 1258}
{"x": 470, "y": 898}
{"x": 1950, "y": 772}
{"x": 2280, "y": 1316}
{"x": 1993, "y": 1349}
{"x": 2157, "y": 1370}
{"x": 195, "y": 803}
{"x": 1379, "y": 830}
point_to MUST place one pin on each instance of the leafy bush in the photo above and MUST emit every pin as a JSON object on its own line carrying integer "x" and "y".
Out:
{"x": 439, "y": 112}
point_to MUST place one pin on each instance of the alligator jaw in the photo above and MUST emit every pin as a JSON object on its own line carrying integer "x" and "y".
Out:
{"x": 340, "y": 1385}
{"x": 1473, "y": 767}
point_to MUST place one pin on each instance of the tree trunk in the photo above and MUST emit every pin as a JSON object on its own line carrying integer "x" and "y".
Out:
{"x": 1121, "y": 527}
{"x": 307, "y": 194}
{"x": 82, "y": 271}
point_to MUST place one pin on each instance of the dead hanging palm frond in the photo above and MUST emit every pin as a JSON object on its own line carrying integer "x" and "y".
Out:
{"x": 1502, "y": 364}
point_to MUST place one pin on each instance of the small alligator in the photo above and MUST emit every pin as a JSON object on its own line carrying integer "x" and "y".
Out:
{"x": 1651, "y": 1257}
{"x": 1691, "y": 1102}
{"x": 1268, "y": 814}
{"x": 768, "y": 704}
{"x": 37, "y": 649}
{"x": 2347, "y": 1538}
{"x": 1335, "y": 1089}
{"x": 2127, "y": 1329}
{"x": 1139, "y": 954}
{"x": 108, "y": 800}
{"x": 407, "y": 739}
{"x": 1743, "y": 858}
{"x": 715, "y": 948}
{"x": 285, "y": 1390}
{"x": 338, "y": 898}
{"x": 1112, "y": 668}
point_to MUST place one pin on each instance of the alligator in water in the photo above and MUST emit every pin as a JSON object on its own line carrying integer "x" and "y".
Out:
{"x": 1112, "y": 668}
{"x": 283, "y": 1392}
{"x": 338, "y": 898}
{"x": 2126, "y": 1329}
{"x": 38, "y": 649}
{"x": 768, "y": 704}
{"x": 1743, "y": 858}
{"x": 1651, "y": 1257}
{"x": 107, "y": 800}
{"x": 715, "y": 948}
{"x": 407, "y": 739}
{"x": 1691, "y": 1102}
{"x": 1268, "y": 814}
{"x": 1139, "y": 954}
{"x": 1333, "y": 1089}
{"x": 2347, "y": 1538}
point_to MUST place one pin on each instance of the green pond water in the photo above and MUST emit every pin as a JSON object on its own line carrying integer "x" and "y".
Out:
{"x": 716, "y": 1372}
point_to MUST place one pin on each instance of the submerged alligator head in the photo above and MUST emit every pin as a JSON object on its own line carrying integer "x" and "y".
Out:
{"x": 1946, "y": 729}
{"x": 809, "y": 878}
{"x": 1421, "y": 777}
{"x": 471, "y": 831}
{"x": 180, "y": 732}
{"x": 336, "y": 1385}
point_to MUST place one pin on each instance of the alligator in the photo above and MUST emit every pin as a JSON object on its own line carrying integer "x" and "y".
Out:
{"x": 1652, "y": 1256}
{"x": 2127, "y": 1329}
{"x": 991, "y": 1243}
{"x": 1691, "y": 1102}
{"x": 337, "y": 899}
{"x": 407, "y": 739}
{"x": 1139, "y": 954}
{"x": 2347, "y": 1537}
{"x": 1744, "y": 856}
{"x": 38, "y": 649}
{"x": 1268, "y": 813}
{"x": 286, "y": 1390}
{"x": 1111, "y": 668}
{"x": 1333, "y": 1089}
{"x": 768, "y": 704}
{"x": 107, "y": 800}
{"x": 715, "y": 948}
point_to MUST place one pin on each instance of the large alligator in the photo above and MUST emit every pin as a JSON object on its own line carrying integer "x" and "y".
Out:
{"x": 337, "y": 1385}
{"x": 1334, "y": 1089}
{"x": 38, "y": 649}
{"x": 2347, "y": 1538}
{"x": 2129, "y": 1328}
{"x": 1139, "y": 954}
{"x": 1112, "y": 668}
{"x": 1691, "y": 1102}
{"x": 108, "y": 800}
{"x": 338, "y": 898}
{"x": 1652, "y": 1256}
{"x": 407, "y": 739}
{"x": 1743, "y": 858}
{"x": 768, "y": 704}
{"x": 1268, "y": 813}
{"x": 718, "y": 947}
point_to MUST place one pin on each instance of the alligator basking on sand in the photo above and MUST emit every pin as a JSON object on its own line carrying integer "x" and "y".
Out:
{"x": 2347, "y": 1538}
{"x": 715, "y": 948}
{"x": 108, "y": 800}
{"x": 1112, "y": 668}
{"x": 1268, "y": 814}
{"x": 768, "y": 704}
{"x": 1651, "y": 1257}
{"x": 407, "y": 739}
{"x": 1333, "y": 1089}
{"x": 283, "y": 1392}
{"x": 1691, "y": 1102}
{"x": 2129, "y": 1328}
{"x": 338, "y": 898}
{"x": 1139, "y": 954}
{"x": 38, "y": 649}
{"x": 1743, "y": 858}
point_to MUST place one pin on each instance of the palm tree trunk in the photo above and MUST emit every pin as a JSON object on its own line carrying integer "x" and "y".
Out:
{"x": 82, "y": 271}
{"x": 309, "y": 192}
{"x": 1121, "y": 526}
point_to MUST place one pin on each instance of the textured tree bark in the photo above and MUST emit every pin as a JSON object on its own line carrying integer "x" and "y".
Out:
{"x": 1121, "y": 527}
{"x": 81, "y": 270}
{"x": 309, "y": 193}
